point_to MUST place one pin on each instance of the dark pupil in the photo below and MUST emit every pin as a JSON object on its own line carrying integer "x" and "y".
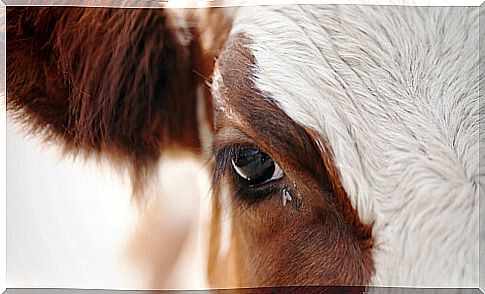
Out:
{"x": 254, "y": 165}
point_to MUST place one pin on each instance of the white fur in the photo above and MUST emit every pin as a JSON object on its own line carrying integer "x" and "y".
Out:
{"x": 394, "y": 91}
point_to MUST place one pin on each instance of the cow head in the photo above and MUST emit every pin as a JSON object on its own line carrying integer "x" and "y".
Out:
{"x": 342, "y": 139}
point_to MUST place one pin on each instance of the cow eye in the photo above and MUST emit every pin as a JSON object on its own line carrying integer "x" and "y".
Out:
{"x": 255, "y": 166}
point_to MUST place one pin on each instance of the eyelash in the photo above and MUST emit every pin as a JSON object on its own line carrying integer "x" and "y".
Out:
{"x": 243, "y": 191}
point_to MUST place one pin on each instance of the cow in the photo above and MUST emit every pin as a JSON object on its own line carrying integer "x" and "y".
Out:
{"x": 342, "y": 139}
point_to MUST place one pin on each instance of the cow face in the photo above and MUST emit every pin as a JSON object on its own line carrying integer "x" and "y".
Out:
{"x": 342, "y": 137}
{"x": 285, "y": 195}
{"x": 353, "y": 139}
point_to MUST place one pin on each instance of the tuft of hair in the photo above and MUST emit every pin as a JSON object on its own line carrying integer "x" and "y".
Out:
{"x": 104, "y": 81}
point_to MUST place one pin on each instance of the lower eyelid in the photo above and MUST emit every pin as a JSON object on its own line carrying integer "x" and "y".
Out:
{"x": 257, "y": 193}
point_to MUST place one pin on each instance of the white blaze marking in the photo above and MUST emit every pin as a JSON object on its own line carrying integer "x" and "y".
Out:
{"x": 394, "y": 92}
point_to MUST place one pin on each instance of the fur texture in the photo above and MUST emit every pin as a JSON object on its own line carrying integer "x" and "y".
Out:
{"x": 394, "y": 92}
{"x": 317, "y": 239}
{"x": 117, "y": 82}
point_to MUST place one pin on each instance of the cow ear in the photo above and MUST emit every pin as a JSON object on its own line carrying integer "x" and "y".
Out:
{"x": 114, "y": 82}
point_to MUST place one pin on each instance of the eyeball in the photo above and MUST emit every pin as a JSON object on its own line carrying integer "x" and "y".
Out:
{"x": 255, "y": 166}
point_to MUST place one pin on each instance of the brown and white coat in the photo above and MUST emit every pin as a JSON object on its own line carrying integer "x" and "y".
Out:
{"x": 369, "y": 112}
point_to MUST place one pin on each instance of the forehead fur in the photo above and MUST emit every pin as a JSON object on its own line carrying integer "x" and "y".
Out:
{"x": 394, "y": 92}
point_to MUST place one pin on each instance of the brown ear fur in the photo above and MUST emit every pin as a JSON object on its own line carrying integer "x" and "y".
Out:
{"x": 117, "y": 82}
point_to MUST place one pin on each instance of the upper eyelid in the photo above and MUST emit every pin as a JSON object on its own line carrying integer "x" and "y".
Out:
{"x": 234, "y": 139}
{"x": 230, "y": 136}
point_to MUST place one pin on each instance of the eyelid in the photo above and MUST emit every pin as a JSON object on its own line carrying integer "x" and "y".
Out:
{"x": 230, "y": 136}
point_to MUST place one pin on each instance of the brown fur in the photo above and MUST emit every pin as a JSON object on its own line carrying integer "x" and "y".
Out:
{"x": 321, "y": 242}
{"x": 118, "y": 82}
{"x": 111, "y": 81}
